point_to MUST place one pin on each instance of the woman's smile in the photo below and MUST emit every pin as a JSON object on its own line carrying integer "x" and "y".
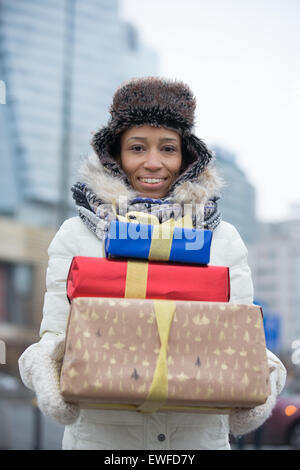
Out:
{"x": 152, "y": 182}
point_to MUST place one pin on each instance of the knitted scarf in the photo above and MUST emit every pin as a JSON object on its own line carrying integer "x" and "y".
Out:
{"x": 97, "y": 215}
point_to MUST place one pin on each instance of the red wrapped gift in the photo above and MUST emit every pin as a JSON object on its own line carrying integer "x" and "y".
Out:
{"x": 101, "y": 277}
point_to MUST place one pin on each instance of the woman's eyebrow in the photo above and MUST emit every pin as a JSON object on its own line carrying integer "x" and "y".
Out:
{"x": 137, "y": 137}
{"x": 163, "y": 139}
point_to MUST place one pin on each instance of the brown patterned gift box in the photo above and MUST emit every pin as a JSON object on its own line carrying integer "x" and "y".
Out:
{"x": 150, "y": 355}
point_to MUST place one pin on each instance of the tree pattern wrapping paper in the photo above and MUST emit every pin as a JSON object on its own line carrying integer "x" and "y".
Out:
{"x": 216, "y": 354}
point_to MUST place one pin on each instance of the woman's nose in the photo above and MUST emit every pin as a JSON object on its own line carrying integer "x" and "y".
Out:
{"x": 153, "y": 161}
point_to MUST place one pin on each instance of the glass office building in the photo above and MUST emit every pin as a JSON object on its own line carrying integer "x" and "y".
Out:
{"x": 237, "y": 203}
{"x": 275, "y": 263}
{"x": 61, "y": 62}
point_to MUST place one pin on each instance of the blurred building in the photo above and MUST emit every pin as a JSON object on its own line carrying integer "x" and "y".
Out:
{"x": 273, "y": 250}
{"x": 60, "y": 63}
{"x": 237, "y": 203}
{"x": 274, "y": 259}
{"x": 23, "y": 261}
{"x": 137, "y": 59}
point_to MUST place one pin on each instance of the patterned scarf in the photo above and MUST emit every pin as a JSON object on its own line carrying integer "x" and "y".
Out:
{"x": 97, "y": 214}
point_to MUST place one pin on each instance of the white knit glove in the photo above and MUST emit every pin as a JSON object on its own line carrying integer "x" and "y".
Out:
{"x": 243, "y": 421}
{"x": 39, "y": 367}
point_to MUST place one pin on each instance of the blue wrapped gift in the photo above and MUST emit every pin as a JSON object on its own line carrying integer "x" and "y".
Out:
{"x": 163, "y": 242}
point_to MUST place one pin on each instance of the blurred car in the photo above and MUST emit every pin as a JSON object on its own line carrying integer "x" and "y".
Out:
{"x": 283, "y": 426}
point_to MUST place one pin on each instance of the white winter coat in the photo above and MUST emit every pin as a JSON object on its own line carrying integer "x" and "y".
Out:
{"x": 96, "y": 429}
{"x": 112, "y": 430}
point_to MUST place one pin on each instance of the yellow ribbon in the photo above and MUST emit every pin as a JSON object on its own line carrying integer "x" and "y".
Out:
{"x": 160, "y": 248}
{"x": 144, "y": 218}
{"x": 161, "y": 245}
{"x": 162, "y": 236}
{"x": 158, "y": 392}
{"x": 136, "y": 286}
{"x": 136, "y": 280}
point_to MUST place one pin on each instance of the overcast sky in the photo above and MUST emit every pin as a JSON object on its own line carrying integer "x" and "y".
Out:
{"x": 242, "y": 60}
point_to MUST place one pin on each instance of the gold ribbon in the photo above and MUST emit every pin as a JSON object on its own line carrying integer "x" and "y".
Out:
{"x": 160, "y": 248}
{"x": 158, "y": 392}
{"x": 161, "y": 245}
{"x": 162, "y": 236}
{"x": 136, "y": 286}
{"x": 136, "y": 280}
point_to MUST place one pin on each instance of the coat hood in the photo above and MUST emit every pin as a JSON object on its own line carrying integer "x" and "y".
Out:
{"x": 158, "y": 102}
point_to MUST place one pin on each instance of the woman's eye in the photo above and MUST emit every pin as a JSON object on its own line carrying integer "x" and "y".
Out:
{"x": 169, "y": 149}
{"x": 137, "y": 148}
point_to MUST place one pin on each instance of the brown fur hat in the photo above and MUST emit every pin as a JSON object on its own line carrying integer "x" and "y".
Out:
{"x": 159, "y": 102}
{"x": 154, "y": 101}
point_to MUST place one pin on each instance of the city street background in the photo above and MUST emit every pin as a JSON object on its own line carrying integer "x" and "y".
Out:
{"x": 60, "y": 63}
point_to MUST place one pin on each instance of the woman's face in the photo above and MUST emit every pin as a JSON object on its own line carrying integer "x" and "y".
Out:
{"x": 151, "y": 158}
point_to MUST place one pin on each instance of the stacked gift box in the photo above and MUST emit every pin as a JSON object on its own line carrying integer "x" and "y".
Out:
{"x": 151, "y": 327}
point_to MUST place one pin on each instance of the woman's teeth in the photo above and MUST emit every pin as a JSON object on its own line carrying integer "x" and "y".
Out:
{"x": 151, "y": 180}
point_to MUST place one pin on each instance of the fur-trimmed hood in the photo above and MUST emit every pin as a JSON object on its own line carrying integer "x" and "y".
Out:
{"x": 157, "y": 102}
{"x": 188, "y": 188}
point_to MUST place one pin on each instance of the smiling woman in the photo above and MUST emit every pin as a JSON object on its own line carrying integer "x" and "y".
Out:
{"x": 146, "y": 160}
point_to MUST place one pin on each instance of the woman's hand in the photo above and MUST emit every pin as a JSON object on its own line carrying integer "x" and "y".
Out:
{"x": 245, "y": 420}
{"x": 39, "y": 367}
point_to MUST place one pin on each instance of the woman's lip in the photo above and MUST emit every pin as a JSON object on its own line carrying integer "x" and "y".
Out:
{"x": 147, "y": 184}
{"x": 153, "y": 177}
